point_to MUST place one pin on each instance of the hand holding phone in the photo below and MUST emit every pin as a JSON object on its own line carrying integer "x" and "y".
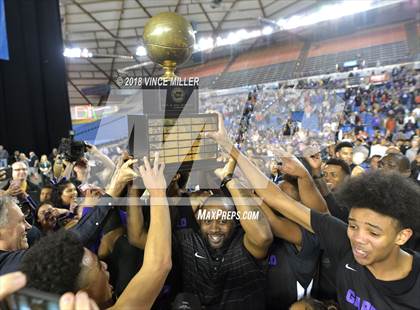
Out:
{"x": 29, "y": 298}
{"x": 14, "y": 188}
{"x": 10, "y": 283}
{"x": 80, "y": 301}
{"x": 5, "y": 173}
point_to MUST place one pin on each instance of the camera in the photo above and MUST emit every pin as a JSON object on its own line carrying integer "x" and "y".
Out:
{"x": 28, "y": 298}
{"x": 7, "y": 175}
{"x": 72, "y": 150}
{"x": 58, "y": 221}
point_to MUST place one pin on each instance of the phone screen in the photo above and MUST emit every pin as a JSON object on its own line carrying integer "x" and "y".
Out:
{"x": 31, "y": 299}
{"x": 8, "y": 171}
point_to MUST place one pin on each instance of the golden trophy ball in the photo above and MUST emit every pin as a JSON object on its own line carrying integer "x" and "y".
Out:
{"x": 169, "y": 40}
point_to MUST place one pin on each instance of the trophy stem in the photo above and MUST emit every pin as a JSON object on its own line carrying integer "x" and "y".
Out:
{"x": 169, "y": 69}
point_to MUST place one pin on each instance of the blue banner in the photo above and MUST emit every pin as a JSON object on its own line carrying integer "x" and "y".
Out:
{"x": 4, "y": 48}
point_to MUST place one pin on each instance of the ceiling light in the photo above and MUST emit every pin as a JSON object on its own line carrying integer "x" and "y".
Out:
{"x": 141, "y": 51}
{"x": 267, "y": 30}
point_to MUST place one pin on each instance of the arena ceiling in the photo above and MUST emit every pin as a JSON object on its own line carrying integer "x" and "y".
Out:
{"x": 116, "y": 28}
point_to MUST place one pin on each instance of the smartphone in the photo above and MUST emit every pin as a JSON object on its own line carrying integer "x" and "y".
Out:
{"x": 8, "y": 172}
{"x": 31, "y": 299}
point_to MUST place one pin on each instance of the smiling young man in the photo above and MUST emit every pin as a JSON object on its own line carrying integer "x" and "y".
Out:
{"x": 70, "y": 267}
{"x": 221, "y": 261}
{"x": 373, "y": 271}
{"x": 344, "y": 151}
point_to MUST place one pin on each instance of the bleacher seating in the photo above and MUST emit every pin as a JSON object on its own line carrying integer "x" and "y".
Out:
{"x": 260, "y": 75}
{"x": 375, "y": 55}
{"x": 380, "y": 55}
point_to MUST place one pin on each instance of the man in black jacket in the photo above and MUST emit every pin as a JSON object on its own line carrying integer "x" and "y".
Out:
{"x": 14, "y": 229}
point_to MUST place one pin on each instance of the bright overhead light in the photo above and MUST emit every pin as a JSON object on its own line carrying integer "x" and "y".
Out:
{"x": 77, "y": 53}
{"x": 332, "y": 11}
{"x": 141, "y": 51}
{"x": 267, "y": 30}
{"x": 205, "y": 44}
{"x": 326, "y": 12}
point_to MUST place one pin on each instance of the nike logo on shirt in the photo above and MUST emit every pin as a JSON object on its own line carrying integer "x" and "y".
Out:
{"x": 198, "y": 255}
{"x": 350, "y": 268}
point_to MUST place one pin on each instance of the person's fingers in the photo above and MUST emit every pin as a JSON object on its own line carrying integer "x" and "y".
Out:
{"x": 156, "y": 162}
{"x": 146, "y": 163}
{"x": 10, "y": 283}
{"x": 209, "y": 135}
{"x": 128, "y": 163}
{"x": 132, "y": 176}
{"x": 88, "y": 192}
{"x": 93, "y": 305}
{"x": 282, "y": 169}
{"x": 161, "y": 168}
{"x": 219, "y": 118}
{"x": 82, "y": 301}
{"x": 142, "y": 171}
{"x": 67, "y": 301}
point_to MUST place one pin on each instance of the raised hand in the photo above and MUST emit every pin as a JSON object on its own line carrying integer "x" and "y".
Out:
{"x": 289, "y": 164}
{"x": 14, "y": 190}
{"x": 220, "y": 136}
{"x": 2, "y": 175}
{"x": 125, "y": 173}
{"x": 221, "y": 173}
{"x": 92, "y": 149}
{"x": 315, "y": 162}
{"x": 121, "y": 177}
{"x": 153, "y": 177}
{"x": 92, "y": 195}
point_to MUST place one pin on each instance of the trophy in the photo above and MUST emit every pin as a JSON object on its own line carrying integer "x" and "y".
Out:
{"x": 171, "y": 123}
{"x": 169, "y": 40}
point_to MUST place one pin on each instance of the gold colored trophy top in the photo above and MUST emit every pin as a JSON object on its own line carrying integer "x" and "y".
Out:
{"x": 169, "y": 40}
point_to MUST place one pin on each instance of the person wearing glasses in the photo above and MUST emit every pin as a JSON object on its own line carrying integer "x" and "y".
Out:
{"x": 27, "y": 195}
{"x": 20, "y": 187}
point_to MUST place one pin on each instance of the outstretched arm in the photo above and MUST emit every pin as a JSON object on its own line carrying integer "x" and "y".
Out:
{"x": 308, "y": 192}
{"x": 258, "y": 235}
{"x": 316, "y": 162}
{"x": 157, "y": 253}
{"x": 108, "y": 163}
{"x": 281, "y": 227}
{"x": 265, "y": 189}
{"x": 137, "y": 233}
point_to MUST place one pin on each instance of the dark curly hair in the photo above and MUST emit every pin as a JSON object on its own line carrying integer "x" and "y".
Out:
{"x": 389, "y": 194}
{"x": 54, "y": 263}
{"x": 340, "y": 145}
{"x": 58, "y": 190}
{"x": 339, "y": 162}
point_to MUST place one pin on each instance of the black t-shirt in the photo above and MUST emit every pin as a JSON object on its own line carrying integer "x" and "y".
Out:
{"x": 291, "y": 272}
{"x": 181, "y": 213}
{"x": 123, "y": 264}
{"x": 335, "y": 209}
{"x": 357, "y": 288}
{"x": 326, "y": 287}
{"x": 32, "y": 160}
{"x": 10, "y": 261}
{"x": 230, "y": 279}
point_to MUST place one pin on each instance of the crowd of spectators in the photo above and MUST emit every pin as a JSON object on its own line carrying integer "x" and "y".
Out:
{"x": 331, "y": 170}
{"x": 373, "y": 116}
